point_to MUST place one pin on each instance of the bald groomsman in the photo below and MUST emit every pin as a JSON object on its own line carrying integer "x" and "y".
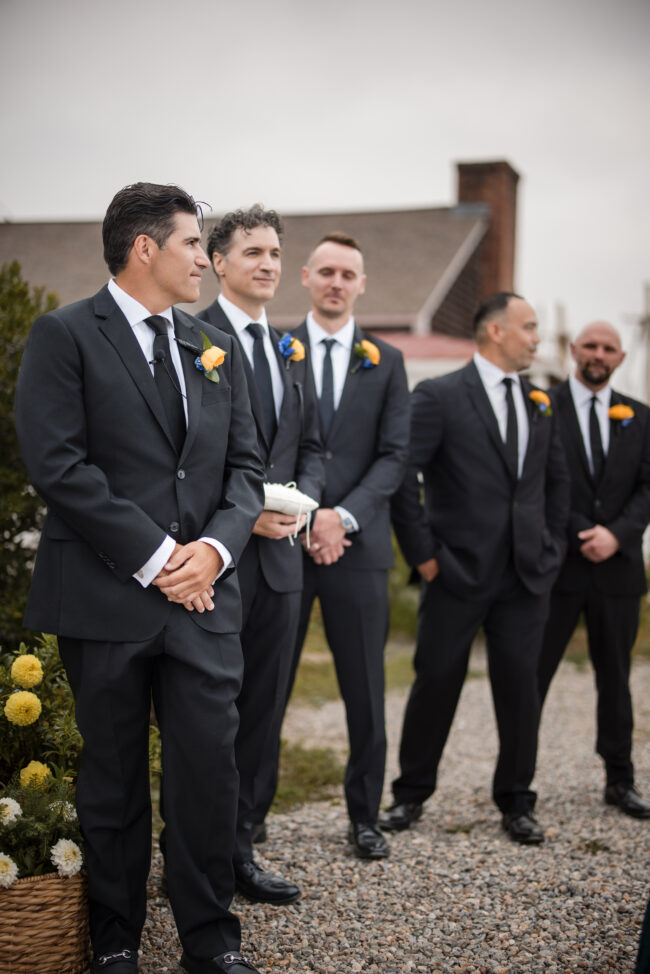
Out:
{"x": 607, "y": 442}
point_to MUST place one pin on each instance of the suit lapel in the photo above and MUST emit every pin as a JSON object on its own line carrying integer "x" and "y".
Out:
{"x": 351, "y": 388}
{"x": 218, "y": 317}
{"x": 616, "y": 439}
{"x": 483, "y": 407}
{"x": 120, "y": 334}
{"x": 570, "y": 417}
{"x": 188, "y": 335}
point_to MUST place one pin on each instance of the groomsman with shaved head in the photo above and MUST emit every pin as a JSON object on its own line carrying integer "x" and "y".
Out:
{"x": 607, "y": 442}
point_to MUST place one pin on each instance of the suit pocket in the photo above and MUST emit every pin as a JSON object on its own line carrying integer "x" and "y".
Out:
{"x": 214, "y": 393}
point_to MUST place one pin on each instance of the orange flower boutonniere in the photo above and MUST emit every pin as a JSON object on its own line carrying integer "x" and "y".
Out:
{"x": 542, "y": 402}
{"x": 622, "y": 413}
{"x": 210, "y": 360}
{"x": 368, "y": 353}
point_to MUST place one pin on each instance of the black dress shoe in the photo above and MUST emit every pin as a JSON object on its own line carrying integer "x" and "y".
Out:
{"x": 118, "y": 962}
{"x": 368, "y": 841}
{"x": 257, "y": 885}
{"x": 231, "y": 962}
{"x": 258, "y": 833}
{"x": 628, "y": 799}
{"x": 400, "y": 816}
{"x": 523, "y": 828}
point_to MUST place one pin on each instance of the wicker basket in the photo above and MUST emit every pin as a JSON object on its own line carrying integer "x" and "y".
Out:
{"x": 44, "y": 926}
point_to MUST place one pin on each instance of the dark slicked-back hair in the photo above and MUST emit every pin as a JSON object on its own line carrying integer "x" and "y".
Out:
{"x": 142, "y": 208}
{"x": 220, "y": 239}
{"x": 495, "y": 305}
{"x": 338, "y": 237}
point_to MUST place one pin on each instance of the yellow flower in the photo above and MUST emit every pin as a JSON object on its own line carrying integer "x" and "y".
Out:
{"x": 298, "y": 350}
{"x": 23, "y": 708}
{"x": 35, "y": 775}
{"x": 621, "y": 411}
{"x": 27, "y": 671}
{"x": 372, "y": 352}
{"x": 212, "y": 357}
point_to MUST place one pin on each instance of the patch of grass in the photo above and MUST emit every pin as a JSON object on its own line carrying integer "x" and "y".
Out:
{"x": 306, "y": 775}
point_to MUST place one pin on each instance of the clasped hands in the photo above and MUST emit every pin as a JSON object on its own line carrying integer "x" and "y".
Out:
{"x": 598, "y": 543}
{"x": 327, "y": 542}
{"x": 188, "y": 575}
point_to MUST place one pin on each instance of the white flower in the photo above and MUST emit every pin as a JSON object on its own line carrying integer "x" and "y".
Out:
{"x": 10, "y": 810}
{"x": 8, "y": 870}
{"x": 67, "y": 810}
{"x": 66, "y": 856}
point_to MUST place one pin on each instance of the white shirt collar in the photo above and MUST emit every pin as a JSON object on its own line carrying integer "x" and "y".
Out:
{"x": 582, "y": 394}
{"x": 491, "y": 375}
{"x": 133, "y": 311}
{"x": 345, "y": 335}
{"x": 240, "y": 319}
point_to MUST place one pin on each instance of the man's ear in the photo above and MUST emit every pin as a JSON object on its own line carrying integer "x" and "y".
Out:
{"x": 304, "y": 277}
{"x": 494, "y": 331}
{"x": 218, "y": 262}
{"x": 144, "y": 248}
{"x": 362, "y": 285}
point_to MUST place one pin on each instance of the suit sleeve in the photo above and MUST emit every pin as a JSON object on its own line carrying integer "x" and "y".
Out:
{"x": 51, "y": 427}
{"x": 243, "y": 492}
{"x": 384, "y": 475}
{"x": 411, "y": 527}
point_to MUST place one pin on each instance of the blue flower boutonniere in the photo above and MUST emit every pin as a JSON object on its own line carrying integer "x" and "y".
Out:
{"x": 368, "y": 354}
{"x": 212, "y": 358}
{"x": 291, "y": 349}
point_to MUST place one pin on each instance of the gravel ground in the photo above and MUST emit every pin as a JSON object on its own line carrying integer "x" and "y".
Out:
{"x": 456, "y": 895}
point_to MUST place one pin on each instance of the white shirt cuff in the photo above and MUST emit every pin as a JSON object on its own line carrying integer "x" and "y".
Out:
{"x": 156, "y": 563}
{"x": 343, "y": 513}
{"x": 161, "y": 556}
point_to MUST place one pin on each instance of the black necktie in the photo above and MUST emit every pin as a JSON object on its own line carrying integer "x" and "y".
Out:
{"x": 327, "y": 388}
{"x": 597, "y": 452}
{"x": 263, "y": 380}
{"x": 512, "y": 432}
{"x": 166, "y": 379}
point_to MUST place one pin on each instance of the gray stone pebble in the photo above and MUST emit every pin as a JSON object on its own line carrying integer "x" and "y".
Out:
{"x": 456, "y": 895}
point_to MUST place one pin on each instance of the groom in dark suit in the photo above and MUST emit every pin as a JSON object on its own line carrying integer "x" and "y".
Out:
{"x": 144, "y": 452}
{"x": 363, "y": 406}
{"x": 488, "y": 543}
{"x": 245, "y": 251}
{"x": 607, "y": 443}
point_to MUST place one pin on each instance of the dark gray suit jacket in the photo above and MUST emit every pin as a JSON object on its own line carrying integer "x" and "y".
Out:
{"x": 294, "y": 455}
{"x": 620, "y": 502}
{"x": 366, "y": 449}
{"x": 476, "y": 514}
{"x": 94, "y": 437}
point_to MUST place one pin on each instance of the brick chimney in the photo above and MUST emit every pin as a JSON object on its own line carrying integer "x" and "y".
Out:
{"x": 494, "y": 183}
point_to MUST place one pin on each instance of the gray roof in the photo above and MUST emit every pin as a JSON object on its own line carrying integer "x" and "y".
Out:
{"x": 408, "y": 254}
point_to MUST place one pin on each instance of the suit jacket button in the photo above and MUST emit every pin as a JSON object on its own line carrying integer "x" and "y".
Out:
{"x": 271, "y": 465}
{"x": 328, "y": 454}
{"x": 180, "y": 474}
{"x": 174, "y": 527}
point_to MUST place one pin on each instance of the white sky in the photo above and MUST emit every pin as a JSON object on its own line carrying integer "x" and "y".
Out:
{"x": 347, "y": 104}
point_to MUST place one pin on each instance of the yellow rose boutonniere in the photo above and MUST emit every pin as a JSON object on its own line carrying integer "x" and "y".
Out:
{"x": 291, "y": 349}
{"x": 210, "y": 360}
{"x": 542, "y": 402}
{"x": 368, "y": 354}
{"x": 621, "y": 413}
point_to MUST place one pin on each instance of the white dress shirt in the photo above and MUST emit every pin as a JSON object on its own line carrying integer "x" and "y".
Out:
{"x": 492, "y": 378}
{"x": 582, "y": 397}
{"x": 340, "y": 355}
{"x": 135, "y": 313}
{"x": 240, "y": 320}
